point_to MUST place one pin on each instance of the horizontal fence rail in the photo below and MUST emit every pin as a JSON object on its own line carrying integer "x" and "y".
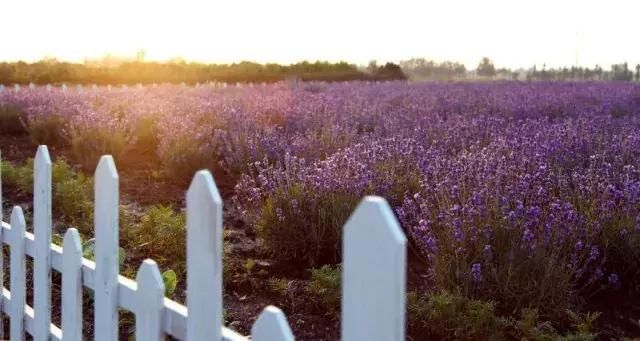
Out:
{"x": 374, "y": 256}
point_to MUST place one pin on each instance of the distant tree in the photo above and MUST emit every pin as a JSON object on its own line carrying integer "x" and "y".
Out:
{"x": 638, "y": 73}
{"x": 621, "y": 72}
{"x": 422, "y": 69}
{"x": 372, "y": 67}
{"x": 486, "y": 68}
{"x": 388, "y": 71}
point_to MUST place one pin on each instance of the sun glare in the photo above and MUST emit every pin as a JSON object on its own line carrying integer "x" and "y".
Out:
{"x": 514, "y": 34}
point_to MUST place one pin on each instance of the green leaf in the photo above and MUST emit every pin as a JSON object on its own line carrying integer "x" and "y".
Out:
{"x": 89, "y": 249}
{"x": 122, "y": 255}
{"x": 170, "y": 280}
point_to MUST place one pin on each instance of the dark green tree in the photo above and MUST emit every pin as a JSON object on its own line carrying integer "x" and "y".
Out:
{"x": 486, "y": 68}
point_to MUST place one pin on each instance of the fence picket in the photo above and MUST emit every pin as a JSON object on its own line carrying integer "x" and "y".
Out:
{"x": 2, "y": 302}
{"x": 18, "y": 284}
{"x": 150, "y": 296}
{"x": 271, "y": 325}
{"x": 42, "y": 232}
{"x": 106, "y": 250}
{"x": 204, "y": 259}
{"x": 72, "y": 286}
{"x": 373, "y": 277}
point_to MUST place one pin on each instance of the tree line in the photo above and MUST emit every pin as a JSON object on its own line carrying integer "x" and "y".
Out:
{"x": 132, "y": 72}
{"x": 422, "y": 69}
{"x": 51, "y": 71}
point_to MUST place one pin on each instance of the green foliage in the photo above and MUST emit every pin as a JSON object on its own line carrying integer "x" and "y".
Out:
{"x": 279, "y": 286}
{"x": 186, "y": 156}
{"x": 132, "y": 72}
{"x": 88, "y": 145}
{"x": 310, "y": 232}
{"x": 71, "y": 192}
{"x": 160, "y": 235}
{"x": 11, "y": 121}
{"x": 170, "y": 280}
{"x": 325, "y": 285}
{"x": 20, "y": 177}
{"x": 453, "y": 316}
{"x": 89, "y": 251}
{"x": 48, "y": 130}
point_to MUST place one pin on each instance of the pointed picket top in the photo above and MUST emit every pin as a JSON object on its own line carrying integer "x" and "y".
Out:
{"x": 17, "y": 276}
{"x": 106, "y": 169}
{"x": 72, "y": 286}
{"x": 204, "y": 258}
{"x": 373, "y": 274}
{"x": 106, "y": 249}
{"x": 150, "y": 302}
{"x": 42, "y": 231}
{"x": 271, "y": 325}
{"x": 17, "y": 221}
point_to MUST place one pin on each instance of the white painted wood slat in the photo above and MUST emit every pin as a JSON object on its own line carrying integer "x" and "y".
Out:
{"x": 106, "y": 250}
{"x": 42, "y": 234}
{"x": 373, "y": 274}
{"x": 204, "y": 259}
{"x": 72, "y": 286}
{"x": 150, "y": 301}
{"x": 18, "y": 284}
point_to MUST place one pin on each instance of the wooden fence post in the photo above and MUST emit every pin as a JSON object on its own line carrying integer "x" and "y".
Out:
{"x": 106, "y": 254}
{"x": 17, "y": 266}
{"x": 42, "y": 235}
{"x": 150, "y": 295}
{"x": 204, "y": 259}
{"x": 2, "y": 302}
{"x": 72, "y": 286}
{"x": 374, "y": 274}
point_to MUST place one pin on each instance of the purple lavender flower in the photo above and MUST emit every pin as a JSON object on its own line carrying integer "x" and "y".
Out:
{"x": 476, "y": 272}
{"x": 613, "y": 279}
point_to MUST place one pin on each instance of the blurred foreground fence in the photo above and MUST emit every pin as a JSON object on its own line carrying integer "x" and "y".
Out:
{"x": 374, "y": 272}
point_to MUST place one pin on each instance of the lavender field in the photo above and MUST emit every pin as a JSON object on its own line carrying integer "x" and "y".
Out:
{"x": 521, "y": 200}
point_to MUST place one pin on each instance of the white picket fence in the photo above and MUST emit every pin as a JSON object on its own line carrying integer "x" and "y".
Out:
{"x": 374, "y": 271}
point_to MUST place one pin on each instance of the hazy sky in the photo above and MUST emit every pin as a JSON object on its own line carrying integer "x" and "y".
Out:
{"x": 513, "y": 33}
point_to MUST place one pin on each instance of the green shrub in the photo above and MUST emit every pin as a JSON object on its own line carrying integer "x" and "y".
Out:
{"x": 326, "y": 286}
{"x": 71, "y": 192}
{"x": 11, "y": 121}
{"x": 20, "y": 177}
{"x": 145, "y": 132}
{"x": 309, "y": 231}
{"x": 160, "y": 234}
{"x": 454, "y": 316}
{"x": 448, "y": 316}
{"x": 184, "y": 157}
{"x": 279, "y": 286}
{"x": 48, "y": 130}
{"x": 88, "y": 145}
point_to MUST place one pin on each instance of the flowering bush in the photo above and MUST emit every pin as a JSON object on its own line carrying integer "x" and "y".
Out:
{"x": 299, "y": 209}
